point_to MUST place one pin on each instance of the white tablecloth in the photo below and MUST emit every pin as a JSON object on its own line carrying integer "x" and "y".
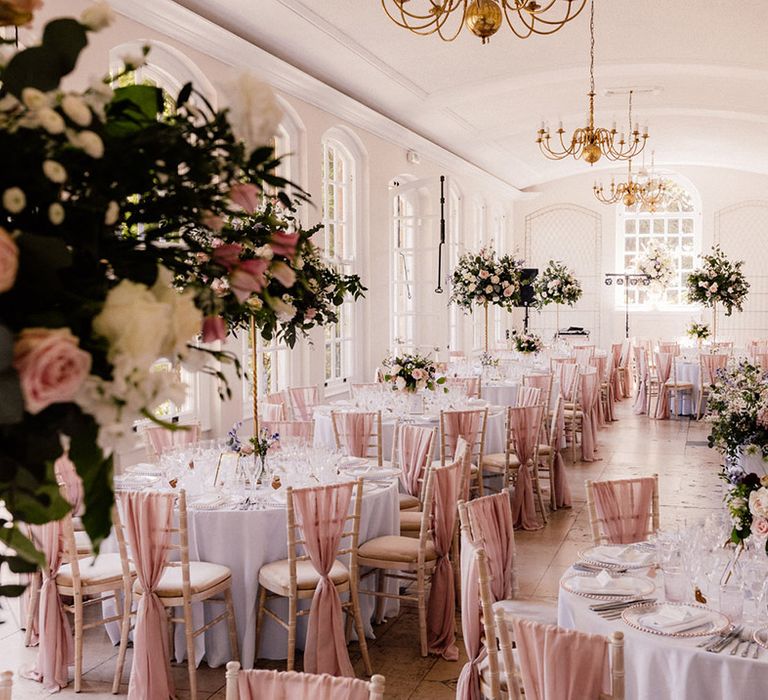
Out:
{"x": 687, "y": 371}
{"x": 246, "y": 540}
{"x": 665, "y": 668}
{"x": 504, "y": 393}
{"x": 494, "y": 433}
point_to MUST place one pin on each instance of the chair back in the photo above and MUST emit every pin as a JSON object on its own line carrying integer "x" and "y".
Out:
{"x": 70, "y": 482}
{"x": 589, "y": 384}
{"x": 583, "y": 354}
{"x": 528, "y": 396}
{"x": 557, "y": 663}
{"x": 761, "y": 360}
{"x": 303, "y": 401}
{"x": 757, "y": 347}
{"x": 272, "y": 412}
{"x": 469, "y": 386}
{"x": 358, "y": 433}
{"x": 671, "y": 347}
{"x": 541, "y": 381}
{"x": 256, "y": 684}
{"x": 6, "y": 685}
{"x": 158, "y": 439}
{"x": 279, "y": 398}
{"x": 623, "y": 511}
{"x": 320, "y": 530}
{"x": 709, "y": 365}
{"x": 413, "y": 449}
{"x": 568, "y": 375}
{"x": 641, "y": 362}
{"x": 469, "y": 424}
{"x": 722, "y": 346}
{"x": 301, "y": 430}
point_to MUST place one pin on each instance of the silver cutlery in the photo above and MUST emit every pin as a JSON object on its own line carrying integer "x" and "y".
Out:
{"x": 741, "y": 639}
{"x": 711, "y": 640}
{"x": 590, "y": 568}
{"x": 718, "y": 646}
{"x": 757, "y": 650}
{"x": 745, "y": 653}
{"x": 620, "y": 604}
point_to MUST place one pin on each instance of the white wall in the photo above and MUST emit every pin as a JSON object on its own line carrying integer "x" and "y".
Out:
{"x": 719, "y": 189}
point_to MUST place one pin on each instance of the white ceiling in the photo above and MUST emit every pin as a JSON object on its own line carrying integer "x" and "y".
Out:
{"x": 708, "y": 59}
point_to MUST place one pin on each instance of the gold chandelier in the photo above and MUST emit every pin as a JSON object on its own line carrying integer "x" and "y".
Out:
{"x": 482, "y": 17}
{"x": 633, "y": 191}
{"x": 591, "y": 142}
{"x": 655, "y": 188}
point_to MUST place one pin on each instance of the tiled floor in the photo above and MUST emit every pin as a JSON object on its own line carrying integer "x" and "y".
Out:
{"x": 690, "y": 489}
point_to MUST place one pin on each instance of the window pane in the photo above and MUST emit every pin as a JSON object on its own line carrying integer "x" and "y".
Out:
{"x": 645, "y": 226}
{"x": 687, "y": 225}
{"x": 629, "y": 226}
{"x": 674, "y": 225}
{"x": 658, "y": 225}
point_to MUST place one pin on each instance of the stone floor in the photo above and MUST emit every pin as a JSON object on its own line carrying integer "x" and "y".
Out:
{"x": 634, "y": 445}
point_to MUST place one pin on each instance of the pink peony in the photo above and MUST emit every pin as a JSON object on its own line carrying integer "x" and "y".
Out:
{"x": 51, "y": 366}
{"x": 245, "y": 196}
{"x": 283, "y": 274}
{"x": 508, "y": 291}
{"x": 9, "y": 261}
{"x": 248, "y": 278}
{"x": 484, "y": 274}
{"x": 284, "y": 243}
{"x": 759, "y": 526}
{"x": 227, "y": 255}
{"x": 214, "y": 328}
{"x": 310, "y": 313}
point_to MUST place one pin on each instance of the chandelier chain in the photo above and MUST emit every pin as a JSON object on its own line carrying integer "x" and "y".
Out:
{"x": 592, "y": 47}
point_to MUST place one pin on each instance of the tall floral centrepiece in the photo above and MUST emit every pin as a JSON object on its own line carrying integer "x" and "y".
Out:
{"x": 411, "y": 373}
{"x": 126, "y": 232}
{"x": 483, "y": 279}
{"x": 718, "y": 281}
{"x": 557, "y": 285}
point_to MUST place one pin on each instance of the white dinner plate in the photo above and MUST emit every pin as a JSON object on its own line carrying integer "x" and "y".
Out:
{"x": 625, "y": 587}
{"x": 619, "y": 556}
{"x": 699, "y": 620}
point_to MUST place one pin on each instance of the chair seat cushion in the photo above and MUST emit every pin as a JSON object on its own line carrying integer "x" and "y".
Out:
{"x": 410, "y": 520}
{"x": 93, "y": 570}
{"x": 672, "y": 384}
{"x": 536, "y": 610}
{"x": 395, "y": 548}
{"x": 498, "y": 460}
{"x": 202, "y": 576}
{"x": 408, "y": 502}
{"x": 276, "y": 576}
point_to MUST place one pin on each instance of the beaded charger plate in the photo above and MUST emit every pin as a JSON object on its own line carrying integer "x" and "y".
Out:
{"x": 591, "y": 555}
{"x": 761, "y": 637}
{"x": 642, "y": 587}
{"x": 713, "y": 622}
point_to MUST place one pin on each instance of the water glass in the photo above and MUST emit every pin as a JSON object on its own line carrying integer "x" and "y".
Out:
{"x": 732, "y": 602}
{"x": 676, "y": 584}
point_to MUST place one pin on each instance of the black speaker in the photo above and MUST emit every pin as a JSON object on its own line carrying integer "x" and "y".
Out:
{"x": 527, "y": 278}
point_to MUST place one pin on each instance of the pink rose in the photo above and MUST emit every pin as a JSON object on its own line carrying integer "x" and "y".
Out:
{"x": 508, "y": 291}
{"x": 227, "y": 255}
{"x": 484, "y": 274}
{"x": 214, "y": 328}
{"x": 51, "y": 366}
{"x": 759, "y": 526}
{"x": 310, "y": 313}
{"x": 219, "y": 287}
{"x": 284, "y": 243}
{"x": 9, "y": 261}
{"x": 417, "y": 374}
{"x": 245, "y": 196}
{"x": 248, "y": 278}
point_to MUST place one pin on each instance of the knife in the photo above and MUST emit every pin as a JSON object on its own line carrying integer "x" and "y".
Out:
{"x": 717, "y": 647}
{"x": 620, "y": 604}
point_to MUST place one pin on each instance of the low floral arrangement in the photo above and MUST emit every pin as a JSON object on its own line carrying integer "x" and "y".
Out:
{"x": 234, "y": 443}
{"x": 482, "y": 279}
{"x": 557, "y": 285}
{"x": 718, "y": 281}
{"x": 656, "y": 262}
{"x": 526, "y": 342}
{"x": 699, "y": 331}
{"x": 747, "y": 504}
{"x": 101, "y": 275}
{"x": 264, "y": 442}
{"x": 411, "y": 372}
{"x": 488, "y": 360}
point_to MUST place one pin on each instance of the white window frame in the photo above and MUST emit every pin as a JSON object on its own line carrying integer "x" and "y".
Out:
{"x": 452, "y": 252}
{"x": 624, "y": 256}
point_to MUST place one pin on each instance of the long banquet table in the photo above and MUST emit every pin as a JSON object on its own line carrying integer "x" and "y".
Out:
{"x": 668, "y": 668}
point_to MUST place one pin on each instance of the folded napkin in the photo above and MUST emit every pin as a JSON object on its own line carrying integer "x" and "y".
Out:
{"x": 622, "y": 554}
{"x": 604, "y": 583}
{"x": 674, "y": 619}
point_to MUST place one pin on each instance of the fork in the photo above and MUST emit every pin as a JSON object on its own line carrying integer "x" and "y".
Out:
{"x": 743, "y": 637}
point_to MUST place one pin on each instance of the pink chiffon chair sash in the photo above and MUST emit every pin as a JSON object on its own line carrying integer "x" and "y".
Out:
{"x": 441, "y": 607}
{"x": 568, "y": 373}
{"x": 589, "y": 389}
{"x": 468, "y": 686}
{"x": 148, "y": 518}
{"x": 291, "y": 429}
{"x": 524, "y": 425}
{"x": 69, "y": 479}
{"x": 624, "y": 508}
{"x": 291, "y": 685}
{"x": 528, "y": 396}
{"x": 303, "y": 400}
{"x": 493, "y": 528}
{"x": 559, "y": 479}
{"x": 641, "y": 398}
{"x": 710, "y": 364}
{"x": 560, "y": 664}
{"x": 55, "y": 654}
{"x": 464, "y": 424}
{"x": 413, "y": 448}
{"x": 355, "y": 430}
{"x": 616, "y": 349}
{"x": 542, "y": 382}
{"x": 321, "y": 514}
{"x": 663, "y": 370}
{"x": 272, "y": 411}
{"x": 761, "y": 360}
{"x": 161, "y": 439}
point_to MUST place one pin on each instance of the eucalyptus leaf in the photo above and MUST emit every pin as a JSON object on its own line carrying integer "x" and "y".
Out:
{"x": 21, "y": 544}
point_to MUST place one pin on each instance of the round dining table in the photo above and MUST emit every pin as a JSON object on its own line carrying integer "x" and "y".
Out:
{"x": 670, "y": 668}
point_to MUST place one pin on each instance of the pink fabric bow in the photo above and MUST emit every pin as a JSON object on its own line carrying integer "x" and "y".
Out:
{"x": 355, "y": 430}
{"x": 624, "y": 508}
{"x": 589, "y": 420}
{"x": 524, "y": 424}
{"x": 663, "y": 370}
{"x": 641, "y": 398}
{"x": 320, "y": 514}
{"x": 304, "y": 399}
{"x": 414, "y": 446}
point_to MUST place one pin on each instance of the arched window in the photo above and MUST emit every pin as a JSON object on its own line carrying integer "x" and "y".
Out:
{"x": 340, "y": 203}
{"x": 404, "y": 227}
{"x": 478, "y": 223}
{"x": 676, "y": 224}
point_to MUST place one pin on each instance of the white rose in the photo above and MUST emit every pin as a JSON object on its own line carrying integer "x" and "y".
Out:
{"x": 495, "y": 279}
{"x": 284, "y": 311}
{"x": 89, "y": 141}
{"x": 97, "y": 16}
{"x": 713, "y": 287}
{"x": 130, "y": 320}
{"x": 253, "y": 110}
{"x": 133, "y": 61}
{"x": 34, "y": 98}
{"x": 56, "y": 213}
{"x": 14, "y": 200}
{"x": 472, "y": 287}
{"x": 76, "y": 109}
{"x": 400, "y": 383}
{"x": 489, "y": 289}
{"x": 54, "y": 171}
{"x": 113, "y": 211}
{"x": 186, "y": 318}
{"x": 396, "y": 369}
{"x": 758, "y": 502}
{"x": 50, "y": 120}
